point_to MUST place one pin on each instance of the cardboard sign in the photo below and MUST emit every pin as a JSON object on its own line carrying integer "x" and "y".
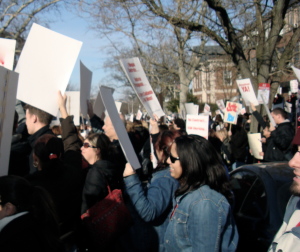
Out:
{"x": 296, "y": 72}
{"x": 8, "y": 85}
{"x": 45, "y": 66}
{"x": 231, "y": 112}
{"x": 197, "y": 125}
{"x": 137, "y": 77}
{"x": 255, "y": 144}
{"x": 85, "y": 88}
{"x": 221, "y": 105}
{"x": 247, "y": 91}
{"x": 7, "y": 52}
{"x": 294, "y": 86}
{"x": 109, "y": 103}
{"x": 263, "y": 90}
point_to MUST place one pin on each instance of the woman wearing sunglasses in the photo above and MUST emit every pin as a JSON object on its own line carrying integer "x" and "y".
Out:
{"x": 151, "y": 203}
{"x": 201, "y": 218}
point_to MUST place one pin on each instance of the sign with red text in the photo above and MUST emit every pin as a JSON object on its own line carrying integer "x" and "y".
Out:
{"x": 294, "y": 86}
{"x": 263, "y": 90}
{"x": 8, "y": 85}
{"x": 197, "y": 125}
{"x": 206, "y": 108}
{"x": 231, "y": 112}
{"x": 221, "y": 105}
{"x": 137, "y": 77}
{"x": 247, "y": 91}
{"x": 7, "y": 52}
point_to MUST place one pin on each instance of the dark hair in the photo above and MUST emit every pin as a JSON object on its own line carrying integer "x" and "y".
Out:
{"x": 201, "y": 165}
{"x": 180, "y": 123}
{"x": 280, "y": 111}
{"x": 37, "y": 201}
{"x": 43, "y": 116}
{"x": 50, "y": 150}
{"x": 102, "y": 142}
{"x": 163, "y": 143}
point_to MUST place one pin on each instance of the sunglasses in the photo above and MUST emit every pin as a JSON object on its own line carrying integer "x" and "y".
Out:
{"x": 87, "y": 145}
{"x": 173, "y": 159}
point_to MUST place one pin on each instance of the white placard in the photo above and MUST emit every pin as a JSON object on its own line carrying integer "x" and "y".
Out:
{"x": 7, "y": 52}
{"x": 297, "y": 72}
{"x": 294, "y": 86}
{"x": 45, "y": 66}
{"x": 73, "y": 105}
{"x": 118, "y": 105}
{"x": 107, "y": 98}
{"x": 139, "y": 115}
{"x": 255, "y": 145}
{"x": 247, "y": 91}
{"x": 263, "y": 90}
{"x": 85, "y": 88}
{"x": 231, "y": 112}
{"x": 196, "y": 109}
{"x": 190, "y": 108}
{"x": 8, "y": 85}
{"x": 197, "y": 125}
{"x": 206, "y": 108}
{"x": 140, "y": 84}
{"x": 221, "y": 105}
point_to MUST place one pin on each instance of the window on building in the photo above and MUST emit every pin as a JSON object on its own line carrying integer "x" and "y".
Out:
{"x": 227, "y": 78}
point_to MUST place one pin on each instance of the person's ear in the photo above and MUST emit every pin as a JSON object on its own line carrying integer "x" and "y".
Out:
{"x": 34, "y": 118}
{"x": 9, "y": 209}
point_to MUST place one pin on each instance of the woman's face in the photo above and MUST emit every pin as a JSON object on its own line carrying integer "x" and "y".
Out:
{"x": 266, "y": 132}
{"x": 174, "y": 162}
{"x": 89, "y": 152}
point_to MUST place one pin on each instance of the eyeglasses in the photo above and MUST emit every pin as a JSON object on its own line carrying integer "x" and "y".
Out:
{"x": 87, "y": 145}
{"x": 173, "y": 159}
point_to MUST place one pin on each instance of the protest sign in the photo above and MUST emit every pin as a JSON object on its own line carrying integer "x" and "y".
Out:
{"x": 139, "y": 115}
{"x": 7, "y": 52}
{"x": 45, "y": 66}
{"x": 85, "y": 88}
{"x": 73, "y": 106}
{"x": 197, "y": 125}
{"x": 221, "y": 105}
{"x": 296, "y": 72}
{"x": 109, "y": 103}
{"x": 294, "y": 86}
{"x": 190, "y": 108}
{"x": 206, "y": 108}
{"x": 99, "y": 107}
{"x": 268, "y": 112}
{"x": 231, "y": 112}
{"x": 137, "y": 77}
{"x": 8, "y": 85}
{"x": 255, "y": 145}
{"x": 247, "y": 91}
{"x": 263, "y": 90}
{"x": 118, "y": 105}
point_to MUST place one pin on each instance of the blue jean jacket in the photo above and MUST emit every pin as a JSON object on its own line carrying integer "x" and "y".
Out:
{"x": 153, "y": 203}
{"x": 201, "y": 221}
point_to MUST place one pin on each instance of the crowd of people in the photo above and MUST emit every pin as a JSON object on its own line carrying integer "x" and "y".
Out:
{"x": 182, "y": 203}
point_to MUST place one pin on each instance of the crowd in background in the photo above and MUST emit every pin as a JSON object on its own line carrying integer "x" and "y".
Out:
{"x": 70, "y": 168}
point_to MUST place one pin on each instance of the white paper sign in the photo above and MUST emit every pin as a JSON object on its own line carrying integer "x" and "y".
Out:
{"x": 221, "y": 105}
{"x": 7, "y": 52}
{"x": 197, "y": 125}
{"x": 206, "y": 108}
{"x": 8, "y": 85}
{"x": 255, "y": 145}
{"x": 247, "y": 91}
{"x": 190, "y": 108}
{"x": 73, "y": 106}
{"x": 137, "y": 77}
{"x": 45, "y": 66}
{"x": 297, "y": 72}
{"x": 294, "y": 86}
{"x": 231, "y": 112}
{"x": 118, "y": 105}
{"x": 139, "y": 115}
{"x": 85, "y": 88}
{"x": 263, "y": 90}
{"x": 107, "y": 98}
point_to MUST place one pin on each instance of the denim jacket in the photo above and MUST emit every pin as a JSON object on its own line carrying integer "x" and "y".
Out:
{"x": 153, "y": 203}
{"x": 201, "y": 220}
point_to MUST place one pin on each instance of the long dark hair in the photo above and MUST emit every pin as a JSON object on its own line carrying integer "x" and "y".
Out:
{"x": 201, "y": 165}
{"x": 163, "y": 143}
{"x": 37, "y": 201}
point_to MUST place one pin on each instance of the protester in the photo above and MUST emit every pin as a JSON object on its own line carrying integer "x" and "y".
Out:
{"x": 288, "y": 236}
{"x": 27, "y": 217}
{"x": 153, "y": 203}
{"x": 201, "y": 219}
{"x": 179, "y": 124}
{"x": 225, "y": 149}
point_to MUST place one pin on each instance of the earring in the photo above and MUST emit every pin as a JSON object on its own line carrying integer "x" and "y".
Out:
{"x": 35, "y": 164}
